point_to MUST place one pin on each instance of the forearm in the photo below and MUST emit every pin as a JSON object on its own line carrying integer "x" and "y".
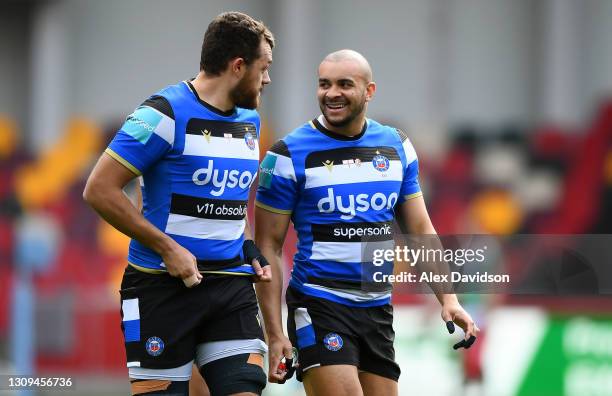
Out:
{"x": 116, "y": 209}
{"x": 269, "y": 294}
{"x": 428, "y": 238}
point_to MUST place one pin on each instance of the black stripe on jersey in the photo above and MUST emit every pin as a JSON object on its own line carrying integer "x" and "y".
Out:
{"x": 210, "y": 107}
{"x": 205, "y": 208}
{"x": 160, "y": 104}
{"x": 365, "y": 154}
{"x": 338, "y": 136}
{"x": 351, "y": 285}
{"x": 280, "y": 148}
{"x": 403, "y": 135}
{"x": 352, "y": 232}
{"x": 198, "y": 126}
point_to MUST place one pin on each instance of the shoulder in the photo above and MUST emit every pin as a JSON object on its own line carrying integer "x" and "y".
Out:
{"x": 396, "y": 137}
{"x": 301, "y": 137}
{"x": 280, "y": 148}
{"x": 159, "y": 103}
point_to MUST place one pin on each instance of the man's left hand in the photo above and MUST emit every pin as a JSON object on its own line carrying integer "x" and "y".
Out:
{"x": 453, "y": 313}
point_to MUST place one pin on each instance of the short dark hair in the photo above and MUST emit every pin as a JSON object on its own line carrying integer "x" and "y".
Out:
{"x": 232, "y": 35}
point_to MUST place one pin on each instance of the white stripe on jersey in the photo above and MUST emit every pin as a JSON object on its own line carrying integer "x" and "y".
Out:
{"x": 346, "y": 174}
{"x": 219, "y": 147}
{"x": 283, "y": 166}
{"x": 195, "y": 227}
{"x": 348, "y": 252}
{"x": 165, "y": 128}
{"x": 350, "y": 294}
{"x": 409, "y": 151}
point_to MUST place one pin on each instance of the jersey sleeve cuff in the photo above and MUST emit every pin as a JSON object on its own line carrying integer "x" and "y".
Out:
{"x": 272, "y": 209}
{"x": 122, "y": 161}
{"x": 413, "y": 195}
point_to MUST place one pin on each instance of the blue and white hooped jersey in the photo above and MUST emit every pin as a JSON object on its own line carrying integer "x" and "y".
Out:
{"x": 197, "y": 165}
{"x": 341, "y": 193}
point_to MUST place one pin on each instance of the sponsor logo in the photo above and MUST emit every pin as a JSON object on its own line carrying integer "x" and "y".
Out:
{"x": 356, "y": 203}
{"x": 267, "y": 170}
{"x": 133, "y": 119}
{"x": 363, "y": 231}
{"x": 154, "y": 346}
{"x": 329, "y": 165}
{"x": 249, "y": 140}
{"x": 223, "y": 210}
{"x": 333, "y": 342}
{"x": 228, "y": 136}
{"x": 380, "y": 162}
{"x": 228, "y": 179}
{"x": 206, "y": 134}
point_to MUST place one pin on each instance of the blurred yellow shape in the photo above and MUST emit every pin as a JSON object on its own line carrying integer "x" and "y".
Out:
{"x": 8, "y": 136}
{"x": 608, "y": 168}
{"x": 111, "y": 241}
{"x": 115, "y": 276}
{"x": 496, "y": 212}
{"x": 59, "y": 167}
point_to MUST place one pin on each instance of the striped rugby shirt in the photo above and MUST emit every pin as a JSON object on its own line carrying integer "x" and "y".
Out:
{"x": 341, "y": 193}
{"x": 197, "y": 165}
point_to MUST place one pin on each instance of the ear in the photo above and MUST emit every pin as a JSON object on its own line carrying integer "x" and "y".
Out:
{"x": 370, "y": 89}
{"x": 237, "y": 66}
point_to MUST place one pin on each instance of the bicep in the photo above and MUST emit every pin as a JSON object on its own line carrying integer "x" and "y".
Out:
{"x": 110, "y": 173}
{"x": 270, "y": 228}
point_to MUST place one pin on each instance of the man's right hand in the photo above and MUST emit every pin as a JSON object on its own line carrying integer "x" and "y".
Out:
{"x": 278, "y": 347}
{"x": 182, "y": 264}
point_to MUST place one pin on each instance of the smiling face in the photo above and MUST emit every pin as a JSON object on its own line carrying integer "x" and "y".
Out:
{"x": 344, "y": 89}
{"x": 247, "y": 92}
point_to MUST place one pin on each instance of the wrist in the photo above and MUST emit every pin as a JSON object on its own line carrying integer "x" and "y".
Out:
{"x": 164, "y": 245}
{"x": 449, "y": 299}
{"x": 275, "y": 334}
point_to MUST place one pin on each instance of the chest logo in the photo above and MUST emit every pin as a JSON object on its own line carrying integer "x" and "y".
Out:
{"x": 352, "y": 162}
{"x": 206, "y": 134}
{"x": 249, "y": 140}
{"x": 329, "y": 165}
{"x": 380, "y": 162}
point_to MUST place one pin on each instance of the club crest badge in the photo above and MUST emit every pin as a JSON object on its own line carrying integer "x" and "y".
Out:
{"x": 333, "y": 342}
{"x": 380, "y": 162}
{"x": 249, "y": 140}
{"x": 154, "y": 346}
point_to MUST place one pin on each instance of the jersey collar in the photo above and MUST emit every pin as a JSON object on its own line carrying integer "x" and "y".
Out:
{"x": 317, "y": 123}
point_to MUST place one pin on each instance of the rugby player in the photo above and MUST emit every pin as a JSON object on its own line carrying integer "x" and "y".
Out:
{"x": 187, "y": 293}
{"x": 339, "y": 177}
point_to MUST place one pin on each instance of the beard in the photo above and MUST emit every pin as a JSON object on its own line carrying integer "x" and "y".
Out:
{"x": 353, "y": 111}
{"x": 243, "y": 95}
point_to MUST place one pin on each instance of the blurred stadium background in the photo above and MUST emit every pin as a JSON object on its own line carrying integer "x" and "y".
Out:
{"x": 508, "y": 103}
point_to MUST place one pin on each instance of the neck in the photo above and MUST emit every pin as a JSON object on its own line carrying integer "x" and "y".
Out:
{"x": 351, "y": 129}
{"x": 214, "y": 91}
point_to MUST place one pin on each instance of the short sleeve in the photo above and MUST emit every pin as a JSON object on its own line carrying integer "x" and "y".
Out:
{"x": 146, "y": 136}
{"x": 410, "y": 183}
{"x": 277, "y": 190}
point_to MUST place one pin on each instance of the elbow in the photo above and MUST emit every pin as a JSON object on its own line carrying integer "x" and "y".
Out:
{"x": 90, "y": 193}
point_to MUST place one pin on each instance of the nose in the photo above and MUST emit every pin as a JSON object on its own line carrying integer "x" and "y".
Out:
{"x": 332, "y": 92}
{"x": 266, "y": 78}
